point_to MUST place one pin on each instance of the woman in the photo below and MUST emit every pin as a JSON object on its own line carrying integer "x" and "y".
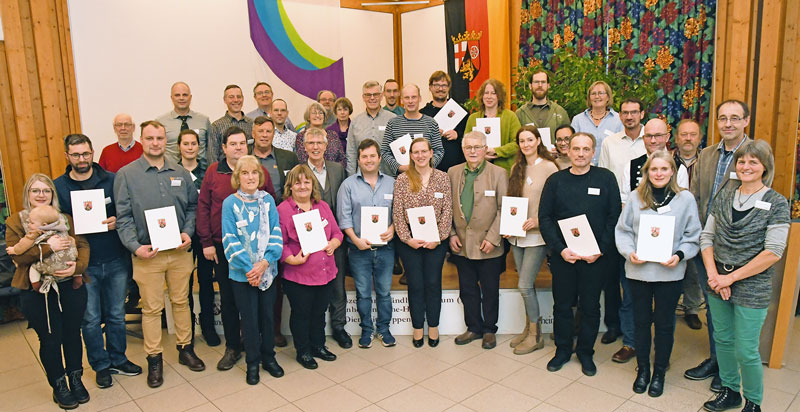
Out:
{"x": 343, "y": 110}
{"x": 422, "y": 185}
{"x": 307, "y": 279}
{"x": 315, "y": 116}
{"x": 599, "y": 118}
{"x": 533, "y": 166}
{"x": 492, "y": 104}
{"x": 64, "y": 309}
{"x": 251, "y": 235}
{"x": 657, "y": 284}
{"x": 562, "y": 134}
{"x": 745, "y": 235}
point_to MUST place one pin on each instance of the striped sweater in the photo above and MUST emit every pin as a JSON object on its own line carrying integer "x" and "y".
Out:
{"x": 240, "y": 223}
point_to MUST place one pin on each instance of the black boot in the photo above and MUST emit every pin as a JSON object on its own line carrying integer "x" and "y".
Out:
{"x": 657, "y": 383}
{"x": 61, "y": 394}
{"x": 750, "y": 406}
{"x": 727, "y": 399}
{"x": 642, "y": 378}
{"x": 76, "y": 386}
{"x": 252, "y": 377}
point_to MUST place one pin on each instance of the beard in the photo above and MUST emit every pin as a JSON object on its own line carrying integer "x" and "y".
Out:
{"x": 82, "y": 167}
{"x": 539, "y": 94}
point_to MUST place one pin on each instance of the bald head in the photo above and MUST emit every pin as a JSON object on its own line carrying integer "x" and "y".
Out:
{"x": 410, "y": 97}
{"x": 124, "y": 127}
{"x": 181, "y": 97}
{"x": 656, "y": 135}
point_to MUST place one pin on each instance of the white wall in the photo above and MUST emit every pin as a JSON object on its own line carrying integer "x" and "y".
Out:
{"x": 423, "y": 47}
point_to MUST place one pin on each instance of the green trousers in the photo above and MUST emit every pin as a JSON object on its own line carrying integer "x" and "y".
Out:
{"x": 736, "y": 332}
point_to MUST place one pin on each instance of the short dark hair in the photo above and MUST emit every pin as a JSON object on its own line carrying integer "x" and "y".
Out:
{"x": 258, "y": 121}
{"x": 391, "y": 81}
{"x": 260, "y": 84}
{"x": 185, "y": 132}
{"x": 367, "y": 143}
{"x": 231, "y": 86}
{"x": 546, "y": 74}
{"x": 76, "y": 139}
{"x": 154, "y": 123}
{"x": 564, "y": 126}
{"x": 745, "y": 109}
{"x": 230, "y": 132}
{"x": 633, "y": 100}
{"x": 439, "y": 75}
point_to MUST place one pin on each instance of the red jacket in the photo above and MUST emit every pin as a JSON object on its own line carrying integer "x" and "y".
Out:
{"x": 215, "y": 189}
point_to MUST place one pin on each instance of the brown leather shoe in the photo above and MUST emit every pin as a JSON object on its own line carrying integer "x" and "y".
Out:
{"x": 155, "y": 370}
{"x": 489, "y": 341}
{"x": 187, "y": 357}
{"x": 624, "y": 355}
{"x": 467, "y": 337}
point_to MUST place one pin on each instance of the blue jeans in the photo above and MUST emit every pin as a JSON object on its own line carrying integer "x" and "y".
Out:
{"x": 702, "y": 279}
{"x": 626, "y": 309}
{"x": 105, "y": 304}
{"x": 368, "y": 266}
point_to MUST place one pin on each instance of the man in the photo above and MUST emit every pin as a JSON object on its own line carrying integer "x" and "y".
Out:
{"x": 277, "y": 162}
{"x": 541, "y": 111}
{"x": 108, "y": 266}
{"x": 327, "y": 98}
{"x": 215, "y": 189}
{"x": 687, "y": 142}
{"x": 368, "y": 125}
{"x": 414, "y": 123}
{"x": 234, "y": 116}
{"x": 125, "y": 150}
{"x": 369, "y": 263}
{"x": 593, "y": 192}
{"x": 180, "y": 118}
{"x": 155, "y": 181}
{"x": 391, "y": 94}
{"x": 620, "y": 148}
{"x": 262, "y": 93}
{"x": 285, "y": 138}
{"x": 712, "y": 171}
{"x": 475, "y": 238}
{"x": 329, "y": 176}
{"x": 439, "y": 85}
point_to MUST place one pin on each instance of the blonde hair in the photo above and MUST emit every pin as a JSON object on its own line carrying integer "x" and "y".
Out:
{"x": 46, "y": 214}
{"x": 645, "y": 188}
{"x": 414, "y": 179}
{"x": 609, "y": 93}
{"x": 39, "y": 177}
{"x": 294, "y": 175}
{"x": 248, "y": 161}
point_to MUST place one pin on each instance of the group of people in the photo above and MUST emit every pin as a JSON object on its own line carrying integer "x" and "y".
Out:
{"x": 238, "y": 184}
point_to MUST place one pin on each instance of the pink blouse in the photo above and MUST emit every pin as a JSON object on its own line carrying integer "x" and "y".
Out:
{"x": 320, "y": 268}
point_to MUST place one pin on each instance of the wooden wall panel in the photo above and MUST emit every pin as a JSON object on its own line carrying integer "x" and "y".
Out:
{"x": 9, "y": 146}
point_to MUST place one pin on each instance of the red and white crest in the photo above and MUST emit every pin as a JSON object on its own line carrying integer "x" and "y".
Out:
{"x": 162, "y": 223}
{"x": 87, "y": 205}
{"x": 575, "y": 232}
{"x": 309, "y": 227}
{"x": 655, "y": 231}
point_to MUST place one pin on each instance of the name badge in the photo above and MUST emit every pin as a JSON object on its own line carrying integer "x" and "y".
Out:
{"x": 416, "y": 135}
{"x": 197, "y": 131}
{"x": 733, "y": 176}
{"x": 388, "y": 196}
{"x": 285, "y": 172}
{"x": 382, "y": 128}
{"x": 594, "y": 191}
{"x": 760, "y": 204}
{"x": 324, "y": 222}
{"x": 663, "y": 209}
{"x": 529, "y": 181}
{"x": 175, "y": 182}
{"x": 250, "y": 141}
{"x": 108, "y": 200}
{"x": 608, "y": 132}
{"x": 438, "y": 195}
{"x": 241, "y": 223}
{"x": 489, "y": 193}
{"x": 193, "y": 177}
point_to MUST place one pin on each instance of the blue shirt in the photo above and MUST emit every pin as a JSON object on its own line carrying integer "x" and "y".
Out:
{"x": 355, "y": 193}
{"x": 582, "y": 122}
{"x": 725, "y": 159}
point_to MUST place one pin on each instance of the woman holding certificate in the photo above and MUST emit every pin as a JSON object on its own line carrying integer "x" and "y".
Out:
{"x": 745, "y": 235}
{"x": 533, "y": 166}
{"x": 251, "y": 236}
{"x": 502, "y": 151}
{"x": 307, "y": 277}
{"x": 658, "y": 208}
{"x": 421, "y": 186}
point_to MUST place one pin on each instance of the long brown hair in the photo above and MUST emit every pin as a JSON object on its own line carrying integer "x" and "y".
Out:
{"x": 518, "y": 170}
{"x": 499, "y": 89}
{"x": 414, "y": 179}
{"x": 294, "y": 176}
{"x": 645, "y": 188}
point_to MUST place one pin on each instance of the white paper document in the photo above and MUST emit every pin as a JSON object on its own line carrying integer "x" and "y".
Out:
{"x": 374, "y": 221}
{"x": 544, "y": 132}
{"x": 88, "y": 210}
{"x": 513, "y": 214}
{"x": 656, "y": 233}
{"x": 162, "y": 225}
{"x": 423, "y": 223}
{"x": 401, "y": 148}
{"x": 490, "y": 126}
{"x": 579, "y": 236}
{"x": 450, "y": 115}
{"x": 310, "y": 231}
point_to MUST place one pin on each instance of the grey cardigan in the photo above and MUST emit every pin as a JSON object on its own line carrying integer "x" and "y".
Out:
{"x": 686, "y": 238}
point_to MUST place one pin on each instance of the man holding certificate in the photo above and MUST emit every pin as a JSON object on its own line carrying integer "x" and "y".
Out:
{"x": 477, "y": 188}
{"x": 589, "y": 196}
{"x": 154, "y": 182}
{"x": 364, "y": 212}
{"x": 439, "y": 85}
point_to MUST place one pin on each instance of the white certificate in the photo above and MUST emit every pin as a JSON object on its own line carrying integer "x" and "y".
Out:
{"x": 544, "y": 132}
{"x": 374, "y": 221}
{"x": 88, "y": 210}
{"x": 656, "y": 233}
{"x": 579, "y": 236}
{"x": 513, "y": 214}
{"x": 450, "y": 115}
{"x": 310, "y": 231}
{"x": 490, "y": 126}
{"x": 162, "y": 225}
{"x": 401, "y": 148}
{"x": 423, "y": 223}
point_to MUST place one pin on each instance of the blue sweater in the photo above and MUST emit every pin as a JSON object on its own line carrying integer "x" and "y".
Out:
{"x": 240, "y": 223}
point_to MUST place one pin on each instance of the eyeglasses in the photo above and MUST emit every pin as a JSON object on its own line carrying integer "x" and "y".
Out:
{"x": 78, "y": 156}
{"x": 266, "y": 93}
{"x": 372, "y": 95}
{"x": 598, "y": 93}
{"x": 539, "y": 82}
{"x": 439, "y": 85}
{"x": 317, "y": 112}
{"x": 654, "y": 136}
{"x": 123, "y": 125}
{"x": 38, "y": 192}
{"x": 563, "y": 140}
{"x": 732, "y": 119}
{"x": 474, "y": 148}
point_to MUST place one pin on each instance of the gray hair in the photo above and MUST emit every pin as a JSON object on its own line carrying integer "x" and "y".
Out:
{"x": 761, "y": 150}
{"x": 315, "y": 131}
{"x": 370, "y": 84}
{"x": 474, "y": 135}
{"x": 313, "y": 105}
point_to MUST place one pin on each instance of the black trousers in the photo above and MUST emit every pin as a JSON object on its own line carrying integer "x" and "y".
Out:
{"x": 205, "y": 282}
{"x": 611, "y": 292}
{"x": 479, "y": 289}
{"x": 338, "y": 304}
{"x": 423, "y": 269}
{"x": 654, "y": 303}
{"x": 65, "y": 327}
{"x": 581, "y": 281}
{"x": 229, "y": 312}
{"x": 255, "y": 308}
{"x": 307, "y": 319}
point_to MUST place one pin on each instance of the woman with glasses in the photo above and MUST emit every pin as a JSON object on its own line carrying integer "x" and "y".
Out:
{"x": 493, "y": 104}
{"x": 562, "y": 134}
{"x": 343, "y": 109}
{"x": 599, "y": 118}
{"x": 315, "y": 117}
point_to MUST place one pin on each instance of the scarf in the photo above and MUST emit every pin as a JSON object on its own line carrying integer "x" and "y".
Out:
{"x": 262, "y": 235}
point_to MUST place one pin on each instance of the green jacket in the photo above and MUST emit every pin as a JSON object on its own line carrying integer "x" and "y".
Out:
{"x": 509, "y": 124}
{"x": 556, "y": 116}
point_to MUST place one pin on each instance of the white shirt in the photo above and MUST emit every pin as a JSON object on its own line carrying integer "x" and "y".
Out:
{"x": 618, "y": 150}
{"x": 625, "y": 186}
{"x": 322, "y": 175}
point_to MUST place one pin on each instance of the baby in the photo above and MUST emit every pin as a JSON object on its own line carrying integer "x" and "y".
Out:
{"x": 43, "y": 223}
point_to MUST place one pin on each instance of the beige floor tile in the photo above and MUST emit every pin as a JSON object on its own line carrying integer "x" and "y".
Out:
{"x": 136, "y": 386}
{"x": 546, "y": 407}
{"x": 125, "y": 407}
{"x": 500, "y": 398}
{"x": 102, "y": 399}
{"x": 178, "y": 398}
{"x": 449, "y": 352}
{"x": 783, "y": 379}
{"x": 45, "y": 407}
{"x": 221, "y": 383}
{"x": 254, "y": 398}
{"x": 372, "y": 408}
{"x": 22, "y": 376}
{"x": 417, "y": 367}
{"x": 415, "y": 398}
{"x": 206, "y": 407}
{"x": 456, "y": 384}
{"x": 674, "y": 399}
{"x": 675, "y": 377}
{"x": 631, "y": 406}
{"x": 380, "y": 355}
{"x": 616, "y": 381}
{"x": 578, "y": 397}
{"x": 795, "y": 405}
{"x": 491, "y": 366}
{"x": 571, "y": 370}
{"x": 299, "y": 384}
{"x": 333, "y": 399}
{"x": 287, "y": 360}
{"x": 546, "y": 384}
{"x": 458, "y": 408}
{"x": 24, "y": 355}
{"x": 377, "y": 384}
{"x": 287, "y": 408}
{"x": 346, "y": 366}
{"x": 775, "y": 400}
{"x": 27, "y": 396}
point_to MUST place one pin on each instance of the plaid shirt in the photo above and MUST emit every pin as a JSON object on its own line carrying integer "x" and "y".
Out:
{"x": 725, "y": 159}
{"x": 214, "y": 145}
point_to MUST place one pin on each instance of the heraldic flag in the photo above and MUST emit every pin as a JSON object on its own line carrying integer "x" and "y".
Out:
{"x": 477, "y": 39}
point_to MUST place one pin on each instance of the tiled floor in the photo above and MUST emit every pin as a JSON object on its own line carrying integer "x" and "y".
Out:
{"x": 402, "y": 378}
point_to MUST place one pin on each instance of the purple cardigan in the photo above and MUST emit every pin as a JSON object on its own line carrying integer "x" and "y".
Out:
{"x": 320, "y": 268}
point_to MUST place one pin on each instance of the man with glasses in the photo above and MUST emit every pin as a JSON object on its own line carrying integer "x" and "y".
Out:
{"x": 262, "y": 93}
{"x": 439, "y": 85}
{"x": 182, "y": 117}
{"x": 368, "y": 125}
{"x": 541, "y": 111}
{"x": 326, "y": 98}
{"x": 234, "y": 116}
{"x": 391, "y": 94}
{"x": 125, "y": 150}
{"x": 656, "y": 136}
